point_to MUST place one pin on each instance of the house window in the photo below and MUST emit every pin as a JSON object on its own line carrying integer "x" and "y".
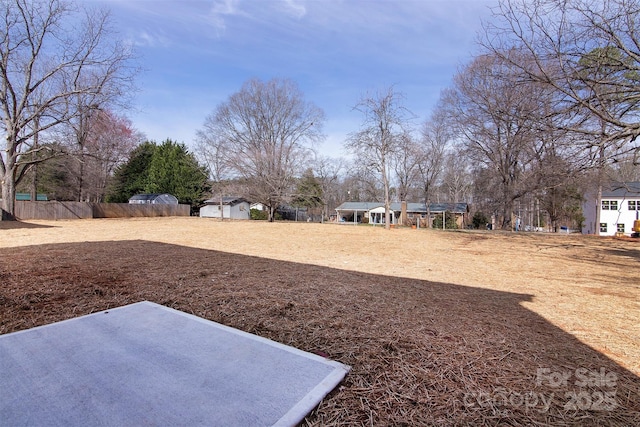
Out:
{"x": 621, "y": 228}
{"x": 603, "y": 227}
{"x": 609, "y": 205}
{"x": 634, "y": 205}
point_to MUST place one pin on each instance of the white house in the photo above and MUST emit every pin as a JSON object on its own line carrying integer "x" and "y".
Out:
{"x": 232, "y": 208}
{"x": 619, "y": 208}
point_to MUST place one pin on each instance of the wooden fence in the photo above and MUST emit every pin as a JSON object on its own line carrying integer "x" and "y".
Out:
{"x": 126, "y": 210}
{"x": 81, "y": 210}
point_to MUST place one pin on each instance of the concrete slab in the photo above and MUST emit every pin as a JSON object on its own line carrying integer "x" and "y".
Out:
{"x": 146, "y": 364}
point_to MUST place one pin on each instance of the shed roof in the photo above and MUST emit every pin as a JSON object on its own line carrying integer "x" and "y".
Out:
{"x": 226, "y": 200}
{"x": 148, "y": 196}
{"x": 622, "y": 189}
{"x": 154, "y": 198}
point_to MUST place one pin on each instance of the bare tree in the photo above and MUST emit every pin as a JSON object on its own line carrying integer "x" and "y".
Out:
{"x": 457, "y": 180}
{"x": 266, "y": 132}
{"x": 626, "y": 170}
{"x": 385, "y": 122}
{"x": 328, "y": 172}
{"x": 406, "y": 165}
{"x": 211, "y": 151}
{"x": 110, "y": 141}
{"x": 496, "y": 114}
{"x": 437, "y": 134}
{"x": 50, "y": 55}
{"x": 362, "y": 183}
{"x": 587, "y": 52}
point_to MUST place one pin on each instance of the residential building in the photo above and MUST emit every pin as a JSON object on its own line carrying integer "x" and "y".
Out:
{"x": 619, "y": 207}
{"x": 416, "y": 213}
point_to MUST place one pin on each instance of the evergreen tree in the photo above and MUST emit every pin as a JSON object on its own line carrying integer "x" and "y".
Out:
{"x": 131, "y": 177}
{"x": 309, "y": 191}
{"x": 165, "y": 168}
{"x": 174, "y": 170}
{"x": 479, "y": 221}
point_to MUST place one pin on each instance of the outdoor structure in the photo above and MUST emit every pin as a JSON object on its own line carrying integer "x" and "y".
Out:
{"x": 296, "y": 213}
{"x": 619, "y": 208}
{"x": 259, "y": 206}
{"x": 416, "y": 213}
{"x": 232, "y": 208}
{"x": 163, "y": 199}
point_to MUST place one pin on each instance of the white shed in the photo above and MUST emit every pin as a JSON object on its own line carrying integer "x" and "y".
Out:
{"x": 232, "y": 208}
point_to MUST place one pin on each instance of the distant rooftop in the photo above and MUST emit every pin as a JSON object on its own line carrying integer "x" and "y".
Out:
{"x": 226, "y": 200}
{"x": 411, "y": 207}
{"x": 622, "y": 189}
{"x": 155, "y": 198}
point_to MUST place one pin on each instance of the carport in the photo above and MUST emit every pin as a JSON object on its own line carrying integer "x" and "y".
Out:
{"x": 353, "y": 212}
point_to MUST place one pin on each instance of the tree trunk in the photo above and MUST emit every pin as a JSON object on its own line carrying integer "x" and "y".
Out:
{"x": 387, "y": 197}
{"x": 507, "y": 211}
{"x": 34, "y": 183}
{"x": 601, "y": 163}
{"x": 8, "y": 194}
{"x": 34, "y": 158}
{"x": 81, "y": 176}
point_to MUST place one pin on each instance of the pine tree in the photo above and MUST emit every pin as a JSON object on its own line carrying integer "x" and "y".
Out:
{"x": 165, "y": 168}
{"x": 131, "y": 177}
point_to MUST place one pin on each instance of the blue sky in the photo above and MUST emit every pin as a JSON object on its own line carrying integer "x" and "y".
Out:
{"x": 197, "y": 53}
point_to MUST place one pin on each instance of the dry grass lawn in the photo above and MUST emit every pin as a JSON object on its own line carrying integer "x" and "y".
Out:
{"x": 444, "y": 328}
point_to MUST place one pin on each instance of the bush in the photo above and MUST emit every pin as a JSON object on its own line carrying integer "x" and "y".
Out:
{"x": 480, "y": 221}
{"x": 450, "y": 219}
{"x": 258, "y": 214}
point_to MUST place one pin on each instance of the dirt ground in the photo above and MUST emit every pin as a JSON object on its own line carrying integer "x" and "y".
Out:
{"x": 440, "y": 328}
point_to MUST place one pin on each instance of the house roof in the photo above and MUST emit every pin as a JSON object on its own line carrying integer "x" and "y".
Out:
{"x": 433, "y": 207}
{"x": 358, "y": 206}
{"x": 411, "y": 207}
{"x": 622, "y": 189}
{"x": 227, "y": 200}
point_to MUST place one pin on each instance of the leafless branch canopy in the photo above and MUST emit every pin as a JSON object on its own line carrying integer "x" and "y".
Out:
{"x": 587, "y": 51}
{"x": 51, "y": 56}
{"x": 264, "y": 134}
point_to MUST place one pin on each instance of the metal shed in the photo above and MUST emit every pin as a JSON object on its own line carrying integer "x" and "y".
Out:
{"x": 164, "y": 199}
